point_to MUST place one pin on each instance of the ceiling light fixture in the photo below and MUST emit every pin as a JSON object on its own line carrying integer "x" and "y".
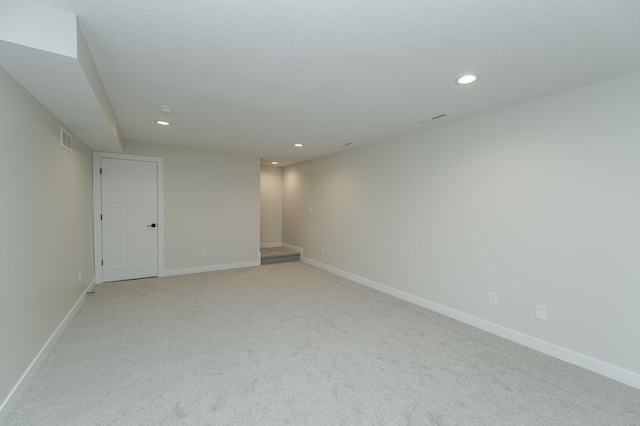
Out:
{"x": 297, "y": 144}
{"x": 467, "y": 79}
{"x": 165, "y": 109}
{"x": 163, "y": 123}
{"x": 274, "y": 162}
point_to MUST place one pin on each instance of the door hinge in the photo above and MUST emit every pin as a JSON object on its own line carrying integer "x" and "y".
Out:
{"x": 100, "y": 217}
{"x": 102, "y": 262}
{"x": 100, "y": 170}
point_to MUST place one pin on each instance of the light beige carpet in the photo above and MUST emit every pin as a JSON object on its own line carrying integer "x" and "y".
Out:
{"x": 291, "y": 344}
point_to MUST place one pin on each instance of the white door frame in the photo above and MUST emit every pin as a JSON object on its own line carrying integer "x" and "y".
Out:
{"x": 97, "y": 204}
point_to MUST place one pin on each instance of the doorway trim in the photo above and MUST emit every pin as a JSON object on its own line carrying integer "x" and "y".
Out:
{"x": 97, "y": 203}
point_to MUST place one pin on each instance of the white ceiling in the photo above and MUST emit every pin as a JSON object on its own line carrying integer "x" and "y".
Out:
{"x": 254, "y": 77}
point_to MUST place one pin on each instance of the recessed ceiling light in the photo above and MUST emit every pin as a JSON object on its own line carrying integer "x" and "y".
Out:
{"x": 274, "y": 162}
{"x": 467, "y": 79}
{"x": 297, "y": 144}
{"x": 162, "y": 122}
{"x": 165, "y": 109}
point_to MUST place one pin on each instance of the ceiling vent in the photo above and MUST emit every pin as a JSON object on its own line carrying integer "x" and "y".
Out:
{"x": 65, "y": 139}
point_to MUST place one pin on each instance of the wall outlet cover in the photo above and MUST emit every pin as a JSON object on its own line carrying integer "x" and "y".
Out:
{"x": 541, "y": 312}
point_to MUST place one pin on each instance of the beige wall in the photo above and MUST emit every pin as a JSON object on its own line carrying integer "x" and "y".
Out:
{"x": 211, "y": 202}
{"x": 46, "y": 229}
{"x": 539, "y": 202}
{"x": 270, "y": 205}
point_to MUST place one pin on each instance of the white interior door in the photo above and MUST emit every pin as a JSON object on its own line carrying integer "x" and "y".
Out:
{"x": 129, "y": 219}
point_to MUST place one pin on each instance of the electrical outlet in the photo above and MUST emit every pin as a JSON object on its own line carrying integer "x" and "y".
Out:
{"x": 493, "y": 298}
{"x": 322, "y": 251}
{"x": 541, "y": 312}
{"x": 80, "y": 276}
{"x": 204, "y": 252}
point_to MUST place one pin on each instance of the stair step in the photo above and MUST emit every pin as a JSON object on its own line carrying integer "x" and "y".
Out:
{"x": 279, "y": 259}
{"x": 278, "y": 255}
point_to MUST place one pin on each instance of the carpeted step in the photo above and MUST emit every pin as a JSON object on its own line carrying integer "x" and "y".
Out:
{"x": 278, "y": 255}
{"x": 280, "y": 259}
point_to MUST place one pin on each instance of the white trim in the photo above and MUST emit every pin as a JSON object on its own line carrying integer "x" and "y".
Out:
{"x": 611, "y": 371}
{"x": 270, "y": 245}
{"x": 97, "y": 202}
{"x": 18, "y": 390}
{"x": 211, "y": 268}
{"x": 296, "y": 249}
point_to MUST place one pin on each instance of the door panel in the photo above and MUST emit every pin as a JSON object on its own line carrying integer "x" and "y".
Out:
{"x": 129, "y": 208}
{"x": 116, "y": 230}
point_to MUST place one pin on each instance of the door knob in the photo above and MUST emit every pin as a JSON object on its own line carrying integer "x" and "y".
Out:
{"x": 153, "y": 225}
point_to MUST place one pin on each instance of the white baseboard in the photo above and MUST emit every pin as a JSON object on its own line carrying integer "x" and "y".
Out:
{"x": 293, "y": 248}
{"x": 211, "y": 268}
{"x": 604, "y": 369}
{"x": 16, "y": 393}
{"x": 270, "y": 245}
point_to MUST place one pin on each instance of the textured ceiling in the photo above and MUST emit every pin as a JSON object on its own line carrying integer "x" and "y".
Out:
{"x": 255, "y": 77}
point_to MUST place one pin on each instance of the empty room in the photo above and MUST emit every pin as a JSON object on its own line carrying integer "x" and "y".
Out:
{"x": 342, "y": 212}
